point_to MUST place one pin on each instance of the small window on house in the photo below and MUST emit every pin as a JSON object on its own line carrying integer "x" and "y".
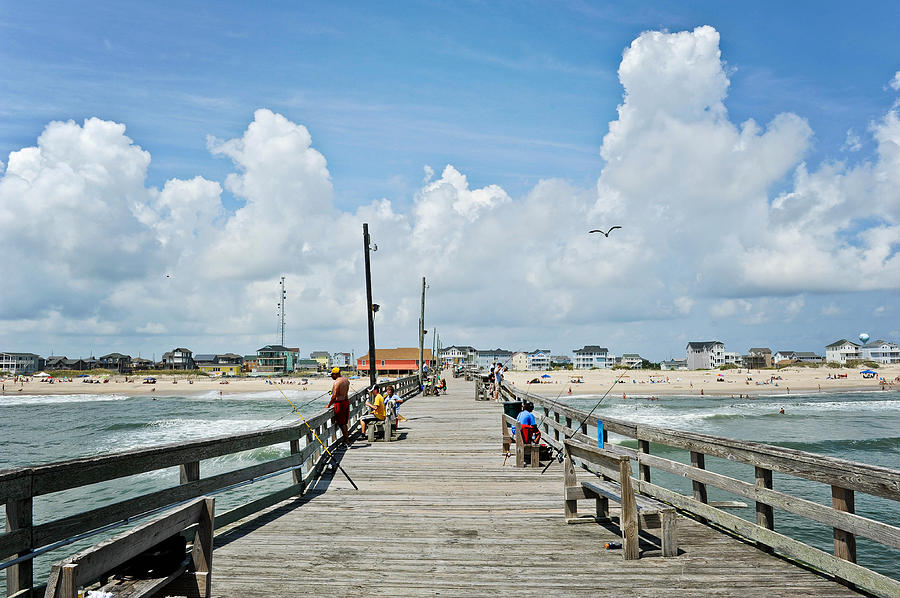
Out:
{"x": 382, "y": 362}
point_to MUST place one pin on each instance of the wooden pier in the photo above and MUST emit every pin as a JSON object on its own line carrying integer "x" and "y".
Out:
{"x": 438, "y": 513}
{"x": 442, "y": 511}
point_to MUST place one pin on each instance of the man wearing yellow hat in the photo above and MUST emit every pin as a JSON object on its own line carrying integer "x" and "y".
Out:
{"x": 340, "y": 402}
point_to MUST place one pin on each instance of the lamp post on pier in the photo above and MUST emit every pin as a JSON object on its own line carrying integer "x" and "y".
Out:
{"x": 373, "y": 378}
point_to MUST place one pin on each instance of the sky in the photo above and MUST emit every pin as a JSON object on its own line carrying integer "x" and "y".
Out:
{"x": 163, "y": 165}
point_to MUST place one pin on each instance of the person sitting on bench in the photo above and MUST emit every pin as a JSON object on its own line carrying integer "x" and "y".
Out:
{"x": 376, "y": 410}
{"x": 530, "y": 432}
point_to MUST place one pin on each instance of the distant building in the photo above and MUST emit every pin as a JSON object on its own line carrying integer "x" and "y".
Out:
{"x": 757, "y": 358}
{"x": 632, "y": 360}
{"x": 705, "y": 355}
{"x": 841, "y": 351}
{"x": 307, "y": 365}
{"x": 139, "y": 363}
{"x": 225, "y": 364}
{"x": 519, "y": 361}
{"x": 592, "y": 356}
{"x": 115, "y": 361}
{"x": 881, "y": 351}
{"x": 276, "y": 359}
{"x": 539, "y": 359}
{"x": 178, "y": 359}
{"x": 457, "y": 355}
{"x": 323, "y": 358}
{"x": 732, "y": 358}
{"x": 21, "y": 364}
{"x": 673, "y": 364}
{"x": 485, "y": 359}
{"x": 395, "y": 362}
{"x": 342, "y": 360}
{"x": 561, "y": 359}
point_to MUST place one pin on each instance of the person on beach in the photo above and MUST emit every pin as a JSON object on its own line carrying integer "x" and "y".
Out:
{"x": 377, "y": 411}
{"x": 340, "y": 402}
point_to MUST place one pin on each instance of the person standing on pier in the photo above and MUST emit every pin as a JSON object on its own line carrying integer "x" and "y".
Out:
{"x": 340, "y": 402}
{"x": 498, "y": 381}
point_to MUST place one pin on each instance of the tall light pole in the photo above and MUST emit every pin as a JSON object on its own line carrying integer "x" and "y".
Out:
{"x": 281, "y": 309}
{"x": 373, "y": 378}
{"x": 422, "y": 336}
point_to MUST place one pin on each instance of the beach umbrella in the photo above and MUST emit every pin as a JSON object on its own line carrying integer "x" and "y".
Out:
{"x": 868, "y": 372}
{"x": 545, "y": 375}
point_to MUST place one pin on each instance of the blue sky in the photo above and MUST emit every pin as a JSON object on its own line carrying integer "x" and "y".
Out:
{"x": 509, "y": 93}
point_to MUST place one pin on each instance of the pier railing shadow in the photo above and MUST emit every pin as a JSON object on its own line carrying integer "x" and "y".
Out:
{"x": 20, "y": 488}
{"x": 844, "y": 479}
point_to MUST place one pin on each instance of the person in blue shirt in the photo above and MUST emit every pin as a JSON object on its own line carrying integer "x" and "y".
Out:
{"x": 526, "y": 422}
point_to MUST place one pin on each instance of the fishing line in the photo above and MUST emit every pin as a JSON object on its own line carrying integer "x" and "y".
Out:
{"x": 559, "y": 451}
{"x": 308, "y": 427}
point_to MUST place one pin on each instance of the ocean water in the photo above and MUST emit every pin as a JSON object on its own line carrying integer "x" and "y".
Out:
{"x": 44, "y": 429}
{"x": 857, "y": 426}
{"x": 862, "y": 427}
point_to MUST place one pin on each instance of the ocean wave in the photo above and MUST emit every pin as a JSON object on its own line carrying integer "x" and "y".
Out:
{"x": 839, "y": 446}
{"x": 27, "y": 400}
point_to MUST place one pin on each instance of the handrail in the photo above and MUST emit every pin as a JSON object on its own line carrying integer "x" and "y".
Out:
{"x": 844, "y": 477}
{"x": 21, "y": 486}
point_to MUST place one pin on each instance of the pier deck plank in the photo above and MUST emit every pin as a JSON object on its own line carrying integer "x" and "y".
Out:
{"x": 437, "y": 513}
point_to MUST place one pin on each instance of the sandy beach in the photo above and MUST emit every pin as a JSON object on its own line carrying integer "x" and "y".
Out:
{"x": 559, "y": 383}
{"x": 706, "y": 382}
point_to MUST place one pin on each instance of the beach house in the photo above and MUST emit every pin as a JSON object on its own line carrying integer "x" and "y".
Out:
{"x": 757, "y": 358}
{"x": 705, "y": 355}
{"x": 341, "y": 360}
{"x": 276, "y": 359}
{"x": 323, "y": 358}
{"x": 841, "y": 351}
{"x": 592, "y": 356}
{"x": 115, "y": 361}
{"x": 19, "y": 364}
{"x": 539, "y": 359}
{"x": 224, "y": 364}
{"x": 673, "y": 364}
{"x": 401, "y": 361}
{"x": 485, "y": 359}
{"x": 458, "y": 354}
{"x": 178, "y": 359}
{"x": 880, "y": 351}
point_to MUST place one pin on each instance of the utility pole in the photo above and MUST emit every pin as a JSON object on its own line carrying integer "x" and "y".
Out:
{"x": 422, "y": 337}
{"x": 373, "y": 379}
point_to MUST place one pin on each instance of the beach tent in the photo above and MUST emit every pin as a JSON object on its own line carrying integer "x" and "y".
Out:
{"x": 42, "y": 375}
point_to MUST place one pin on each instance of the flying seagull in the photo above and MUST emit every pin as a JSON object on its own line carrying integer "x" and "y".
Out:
{"x": 605, "y": 233}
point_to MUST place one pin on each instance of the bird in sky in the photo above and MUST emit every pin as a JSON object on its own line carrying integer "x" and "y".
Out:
{"x": 605, "y": 233}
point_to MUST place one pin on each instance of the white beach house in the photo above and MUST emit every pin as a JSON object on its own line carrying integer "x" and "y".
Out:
{"x": 592, "y": 356}
{"x": 841, "y": 351}
{"x": 880, "y": 351}
{"x": 705, "y": 355}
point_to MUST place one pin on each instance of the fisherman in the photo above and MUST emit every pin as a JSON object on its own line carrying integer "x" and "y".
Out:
{"x": 340, "y": 402}
{"x": 377, "y": 411}
{"x": 530, "y": 432}
{"x": 498, "y": 381}
{"x": 393, "y": 402}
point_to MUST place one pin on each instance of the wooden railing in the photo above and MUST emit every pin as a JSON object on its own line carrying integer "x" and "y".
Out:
{"x": 19, "y": 488}
{"x": 845, "y": 478}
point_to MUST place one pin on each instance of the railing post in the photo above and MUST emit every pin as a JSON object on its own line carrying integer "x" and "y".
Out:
{"x": 507, "y": 439}
{"x": 297, "y": 474}
{"x": 765, "y": 516}
{"x": 569, "y": 481}
{"x": 843, "y": 499}
{"x": 20, "y": 515}
{"x": 189, "y": 472}
{"x": 556, "y": 430}
{"x": 644, "y": 447}
{"x": 698, "y": 460}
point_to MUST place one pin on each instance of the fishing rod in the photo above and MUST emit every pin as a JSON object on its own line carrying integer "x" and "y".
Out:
{"x": 350, "y": 391}
{"x": 330, "y": 455}
{"x": 559, "y": 451}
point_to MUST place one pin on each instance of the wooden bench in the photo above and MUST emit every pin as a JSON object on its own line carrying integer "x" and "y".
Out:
{"x": 374, "y": 426}
{"x": 637, "y": 511}
{"x": 533, "y": 450}
{"x": 98, "y": 563}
